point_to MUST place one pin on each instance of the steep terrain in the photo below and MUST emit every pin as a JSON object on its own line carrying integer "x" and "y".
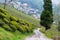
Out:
{"x": 13, "y": 23}
{"x": 21, "y": 15}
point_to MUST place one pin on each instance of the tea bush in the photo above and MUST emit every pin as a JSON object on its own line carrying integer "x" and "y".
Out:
{"x": 2, "y": 15}
{"x": 12, "y": 23}
{"x": 6, "y": 27}
{"x": 1, "y": 23}
{"x": 12, "y": 18}
{"x": 6, "y": 20}
{"x": 13, "y": 27}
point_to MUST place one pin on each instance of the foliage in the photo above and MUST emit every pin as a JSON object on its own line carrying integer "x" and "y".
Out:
{"x": 2, "y": 15}
{"x": 6, "y": 35}
{"x": 1, "y": 23}
{"x": 47, "y": 16}
{"x": 5, "y": 20}
{"x": 6, "y": 27}
{"x": 12, "y": 18}
{"x": 42, "y": 29}
{"x": 58, "y": 25}
{"x": 12, "y": 23}
{"x": 13, "y": 27}
{"x": 25, "y": 29}
{"x": 53, "y": 32}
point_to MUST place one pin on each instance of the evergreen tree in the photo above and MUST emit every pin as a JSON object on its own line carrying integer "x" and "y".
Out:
{"x": 47, "y": 15}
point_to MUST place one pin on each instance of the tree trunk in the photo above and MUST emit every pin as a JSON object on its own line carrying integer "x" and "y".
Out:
{"x": 5, "y": 4}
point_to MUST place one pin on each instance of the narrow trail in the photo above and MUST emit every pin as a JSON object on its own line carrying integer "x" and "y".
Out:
{"x": 37, "y": 36}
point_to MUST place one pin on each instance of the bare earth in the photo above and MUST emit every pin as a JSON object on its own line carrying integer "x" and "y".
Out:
{"x": 36, "y": 37}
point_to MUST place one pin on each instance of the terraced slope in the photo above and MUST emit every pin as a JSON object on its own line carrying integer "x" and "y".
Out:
{"x": 22, "y": 15}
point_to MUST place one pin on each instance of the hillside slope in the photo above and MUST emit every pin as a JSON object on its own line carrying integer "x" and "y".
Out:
{"x": 11, "y": 26}
{"x": 21, "y": 15}
{"x": 12, "y": 23}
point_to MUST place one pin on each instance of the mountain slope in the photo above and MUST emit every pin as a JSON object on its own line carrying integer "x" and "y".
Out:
{"x": 23, "y": 16}
{"x": 11, "y": 27}
{"x": 34, "y": 3}
{"x": 12, "y": 23}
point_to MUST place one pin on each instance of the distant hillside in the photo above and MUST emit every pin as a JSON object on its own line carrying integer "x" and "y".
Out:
{"x": 14, "y": 19}
{"x": 14, "y": 22}
{"x": 34, "y": 3}
{"x": 21, "y": 15}
{"x": 39, "y": 5}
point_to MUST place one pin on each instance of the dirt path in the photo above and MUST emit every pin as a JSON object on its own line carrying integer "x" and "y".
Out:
{"x": 35, "y": 37}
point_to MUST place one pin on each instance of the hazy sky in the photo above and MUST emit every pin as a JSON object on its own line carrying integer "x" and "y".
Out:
{"x": 1, "y": 0}
{"x": 54, "y": 1}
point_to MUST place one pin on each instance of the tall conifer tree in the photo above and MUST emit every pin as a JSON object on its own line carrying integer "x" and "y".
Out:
{"x": 47, "y": 14}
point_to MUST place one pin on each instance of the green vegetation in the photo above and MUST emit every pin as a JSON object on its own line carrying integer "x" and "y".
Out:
{"x": 51, "y": 33}
{"x": 21, "y": 15}
{"x": 6, "y": 35}
{"x": 11, "y": 25}
{"x": 47, "y": 15}
{"x": 22, "y": 25}
{"x": 15, "y": 25}
{"x": 47, "y": 20}
{"x": 58, "y": 26}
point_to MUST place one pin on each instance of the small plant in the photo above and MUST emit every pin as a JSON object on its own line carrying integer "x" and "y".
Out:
{"x": 12, "y": 18}
{"x": 14, "y": 23}
{"x": 59, "y": 26}
{"x": 22, "y": 29}
{"x": 13, "y": 27}
{"x": 6, "y": 20}
{"x": 2, "y": 15}
{"x": 6, "y": 27}
{"x": 1, "y": 23}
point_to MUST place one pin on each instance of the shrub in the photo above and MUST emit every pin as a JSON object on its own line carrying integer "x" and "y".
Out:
{"x": 6, "y": 27}
{"x": 21, "y": 22}
{"x": 42, "y": 29}
{"x": 13, "y": 27}
{"x": 1, "y": 22}
{"x": 49, "y": 34}
{"x": 27, "y": 24}
{"x": 12, "y": 18}
{"x": 25, "y": 29}
{"x": 3, "y": 11}
{"x": 29, "y": 29}
{"x": 14, "y": 23}
{"x": 22, "y": 28}
{"x": 5, "y": 20}
{"x": 59, "y": 26}
{"x": 2, "y": 15}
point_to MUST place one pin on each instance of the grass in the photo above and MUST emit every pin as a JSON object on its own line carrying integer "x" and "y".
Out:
{"x": 22, "y": 15}
{"x": 15, "y": 25}
{"x": 6, "y": 35}
{"x": 51, "y": 33}
{"x": 13, "y": 22}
